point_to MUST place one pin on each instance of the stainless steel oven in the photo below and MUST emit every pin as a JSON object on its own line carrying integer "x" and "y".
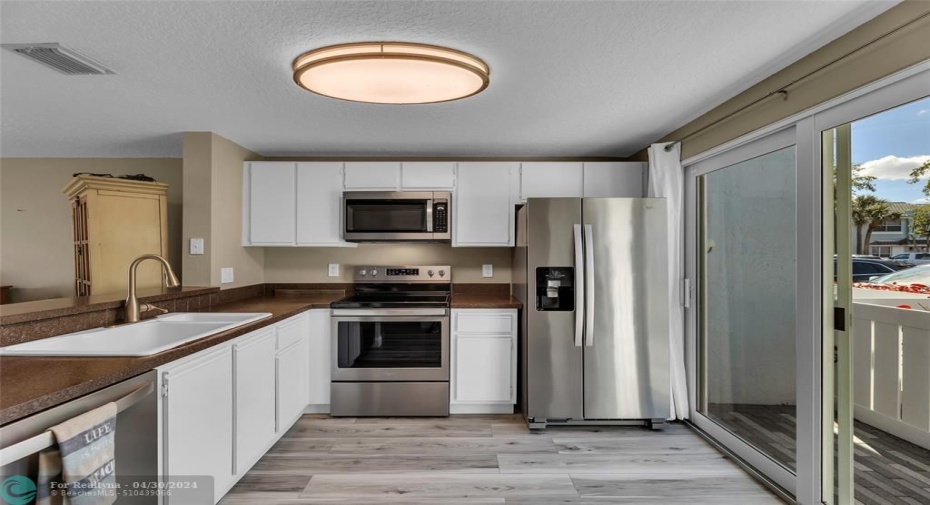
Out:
{"x": 390, "y": 352}
{"x": 422, "y": 216}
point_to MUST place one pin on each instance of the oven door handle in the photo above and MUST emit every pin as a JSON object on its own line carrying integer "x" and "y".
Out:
{"x": 389, "y": 312}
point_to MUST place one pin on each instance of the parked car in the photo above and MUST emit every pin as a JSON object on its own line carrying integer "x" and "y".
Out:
{"x": 913, "y": 258}
{"x": 917, "y": 275}
{"x": 864, "y": 269}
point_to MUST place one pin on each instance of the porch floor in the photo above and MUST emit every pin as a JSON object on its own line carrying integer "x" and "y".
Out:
{"x": 888, "y": 470}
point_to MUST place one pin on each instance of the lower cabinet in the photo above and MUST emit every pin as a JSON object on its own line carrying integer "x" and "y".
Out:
{"x": 320, "y": 354}
{"x": 221, "y": 409}
{"x": 483, "y": 378}
{"x": 255, "y": 407}
{"x": 197, "y": 418}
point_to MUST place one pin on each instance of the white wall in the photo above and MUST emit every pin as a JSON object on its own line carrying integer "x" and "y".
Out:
{"x": 35, "y": 218}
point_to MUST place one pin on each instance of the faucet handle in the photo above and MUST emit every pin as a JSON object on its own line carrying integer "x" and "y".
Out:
{"x": 145, "y": 307}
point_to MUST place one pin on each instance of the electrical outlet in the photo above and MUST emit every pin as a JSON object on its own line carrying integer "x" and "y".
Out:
{"x": 226, "y": 275}
{"x": 196, "y": 246}
{"x": 334, "y": 270}
{"x": 487, "y": 270}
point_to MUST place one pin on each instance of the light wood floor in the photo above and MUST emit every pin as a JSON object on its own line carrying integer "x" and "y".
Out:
{"x": 887, "y": 469}
{"x": 491, "y": 459}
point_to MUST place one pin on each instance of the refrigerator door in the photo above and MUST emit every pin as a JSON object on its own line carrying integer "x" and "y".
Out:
{"x": 626, "y": 364}
{"x": 553, "y": 361}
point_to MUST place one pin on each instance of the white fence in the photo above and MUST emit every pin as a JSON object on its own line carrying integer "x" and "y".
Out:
{"x": 891, "y": 369}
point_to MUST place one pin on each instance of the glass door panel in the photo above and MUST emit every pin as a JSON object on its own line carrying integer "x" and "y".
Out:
{"x": 747, "y": 327}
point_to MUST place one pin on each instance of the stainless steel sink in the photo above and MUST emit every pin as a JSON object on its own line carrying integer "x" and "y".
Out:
{"x": 137, "y": 339}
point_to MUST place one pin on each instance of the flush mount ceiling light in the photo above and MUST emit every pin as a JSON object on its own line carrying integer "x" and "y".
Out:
{"x": 391, "y": 72}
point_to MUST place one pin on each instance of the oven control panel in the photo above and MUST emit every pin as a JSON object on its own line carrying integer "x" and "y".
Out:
{"x": 404, "y": 273}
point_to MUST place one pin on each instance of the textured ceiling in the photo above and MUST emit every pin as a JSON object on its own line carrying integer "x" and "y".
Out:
{"x": 568, "y": 78}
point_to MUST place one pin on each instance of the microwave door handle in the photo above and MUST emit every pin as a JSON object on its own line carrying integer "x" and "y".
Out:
{"x": 579, "y": 286}
{"x": 429, "y": 216}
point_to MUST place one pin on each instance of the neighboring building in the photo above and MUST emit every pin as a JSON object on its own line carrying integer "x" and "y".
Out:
{"x": 892, "y": 237}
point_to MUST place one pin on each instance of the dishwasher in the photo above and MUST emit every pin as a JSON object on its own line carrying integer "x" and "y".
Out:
{"x": 136, "y": 442}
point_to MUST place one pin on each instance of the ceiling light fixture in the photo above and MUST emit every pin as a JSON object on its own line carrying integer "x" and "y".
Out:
{"x": 391, "y": 72}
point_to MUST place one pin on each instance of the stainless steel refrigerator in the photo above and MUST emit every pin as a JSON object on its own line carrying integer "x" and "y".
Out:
{"x": 592, "y": 275}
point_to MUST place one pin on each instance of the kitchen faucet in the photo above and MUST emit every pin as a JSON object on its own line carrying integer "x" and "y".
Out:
{"x": 133, "y": 308}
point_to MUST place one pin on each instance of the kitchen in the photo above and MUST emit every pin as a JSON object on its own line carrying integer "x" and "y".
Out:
{"x": 277, "y": 408}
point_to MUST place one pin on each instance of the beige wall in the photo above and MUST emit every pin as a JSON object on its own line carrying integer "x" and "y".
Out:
{"x": 35, "y": 218}
{"x": 903, "y": 49}
{"x": 295, "y": 264}
{"x": 213, "y": 212}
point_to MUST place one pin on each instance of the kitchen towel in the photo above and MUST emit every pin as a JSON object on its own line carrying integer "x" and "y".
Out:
{"x": 81, "y": 470}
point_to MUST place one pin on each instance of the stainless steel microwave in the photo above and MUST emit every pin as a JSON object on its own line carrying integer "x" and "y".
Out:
{"x": 420, "y": 216}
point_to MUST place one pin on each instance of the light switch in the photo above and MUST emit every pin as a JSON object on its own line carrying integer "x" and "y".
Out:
{"x": 226, "y": 275}
{"x": 334, "y": 269}
{"x": 196, "y": 246}
{"x": 487, "y": 270}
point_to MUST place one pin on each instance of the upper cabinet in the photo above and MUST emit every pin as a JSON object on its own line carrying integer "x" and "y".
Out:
{"x": 269, "y": 203}
{"x": 606, "y": 179}
{"x": 483, "y": 209}
{"x": 319, "y": 204}
{"x": 551, "y": 180}
{"x": 427, "y": 175}
{"x": 372, "y": 176}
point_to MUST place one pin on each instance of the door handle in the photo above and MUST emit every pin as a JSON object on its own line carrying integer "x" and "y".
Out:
{"x": 579, "y": 285}
{"x": 589, "y": 285}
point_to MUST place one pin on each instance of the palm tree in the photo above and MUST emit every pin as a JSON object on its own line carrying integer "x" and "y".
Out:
{"x": 871, "y": 211}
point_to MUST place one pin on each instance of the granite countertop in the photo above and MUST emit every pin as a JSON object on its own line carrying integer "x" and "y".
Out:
{"x": 33, "y": 384}
{"x": 484, "y": 301}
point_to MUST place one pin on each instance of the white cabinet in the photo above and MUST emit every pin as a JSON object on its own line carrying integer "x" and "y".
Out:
{"x": 269, "y": 203}
{"x": 551, "y": 180}
{"x": 609, "y": 179}
{"x": 372, "y": 176}
{"x": 320, "y": 371}
{"x": 319, "y": 204}
{"x": 427, "y": 175}
{"x": 483, "y": 208}
{"x": 197, "y": 417}
{"x": 254, "y": 358}
{"x": 484, "y": 361}
{"x": 292, "y": 364}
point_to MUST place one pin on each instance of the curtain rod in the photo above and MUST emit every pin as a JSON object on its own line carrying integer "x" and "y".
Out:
{"x": 783, "y": 91}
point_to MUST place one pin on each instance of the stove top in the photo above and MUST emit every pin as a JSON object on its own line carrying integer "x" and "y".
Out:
{"x": 401, "y": 287}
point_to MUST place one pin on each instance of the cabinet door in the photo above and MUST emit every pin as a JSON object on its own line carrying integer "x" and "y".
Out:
{"x": 484, "y": 207}
{"x": 272, "y": 203}
{"x": 611, "y": 179}
{"x": 254, "y": 359}
{"x": 198, "y": 419}
{"x": 320, "y": 368}
{"x": 483, "y": 369}
{"x": 372, "y": 175}
{"x": 423, "y": 175}
{"x": 319, "y": 204}
{"x": 292, "y": 364}
{"x": 551, "y": 180}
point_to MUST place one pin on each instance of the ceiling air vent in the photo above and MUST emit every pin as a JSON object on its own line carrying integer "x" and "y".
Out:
{"x": 59, "y": 58}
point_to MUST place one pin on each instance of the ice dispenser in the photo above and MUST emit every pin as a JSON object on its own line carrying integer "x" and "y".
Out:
{"x": 555, "y": 288}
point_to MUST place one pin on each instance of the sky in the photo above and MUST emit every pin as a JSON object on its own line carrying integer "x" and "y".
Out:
{"x": 892, "y": 143}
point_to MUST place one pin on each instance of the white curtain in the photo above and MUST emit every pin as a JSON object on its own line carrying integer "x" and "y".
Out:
{"x": 666, "y": 180}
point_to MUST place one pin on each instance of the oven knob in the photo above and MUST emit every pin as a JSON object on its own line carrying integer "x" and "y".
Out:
{"x": 374, "y": 272}
{"x": 429, "y": 272}
{"x": 442, "y": 273}
{"x": 363, "y": 272}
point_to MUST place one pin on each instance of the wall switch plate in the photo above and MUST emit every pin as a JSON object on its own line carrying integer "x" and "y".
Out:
{"x": 333, "y": 270}
{"x": 196, "y": 246}
{"x": 226, "y": 275}
{"x": 487, "y": 270}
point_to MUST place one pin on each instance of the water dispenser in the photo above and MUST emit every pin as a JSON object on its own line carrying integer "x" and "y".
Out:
{"x": 555, "y": 288}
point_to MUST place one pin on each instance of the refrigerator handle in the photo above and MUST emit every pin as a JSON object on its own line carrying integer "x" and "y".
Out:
{"x": 589, "y": 285}
{"x": 579, "y": 286}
